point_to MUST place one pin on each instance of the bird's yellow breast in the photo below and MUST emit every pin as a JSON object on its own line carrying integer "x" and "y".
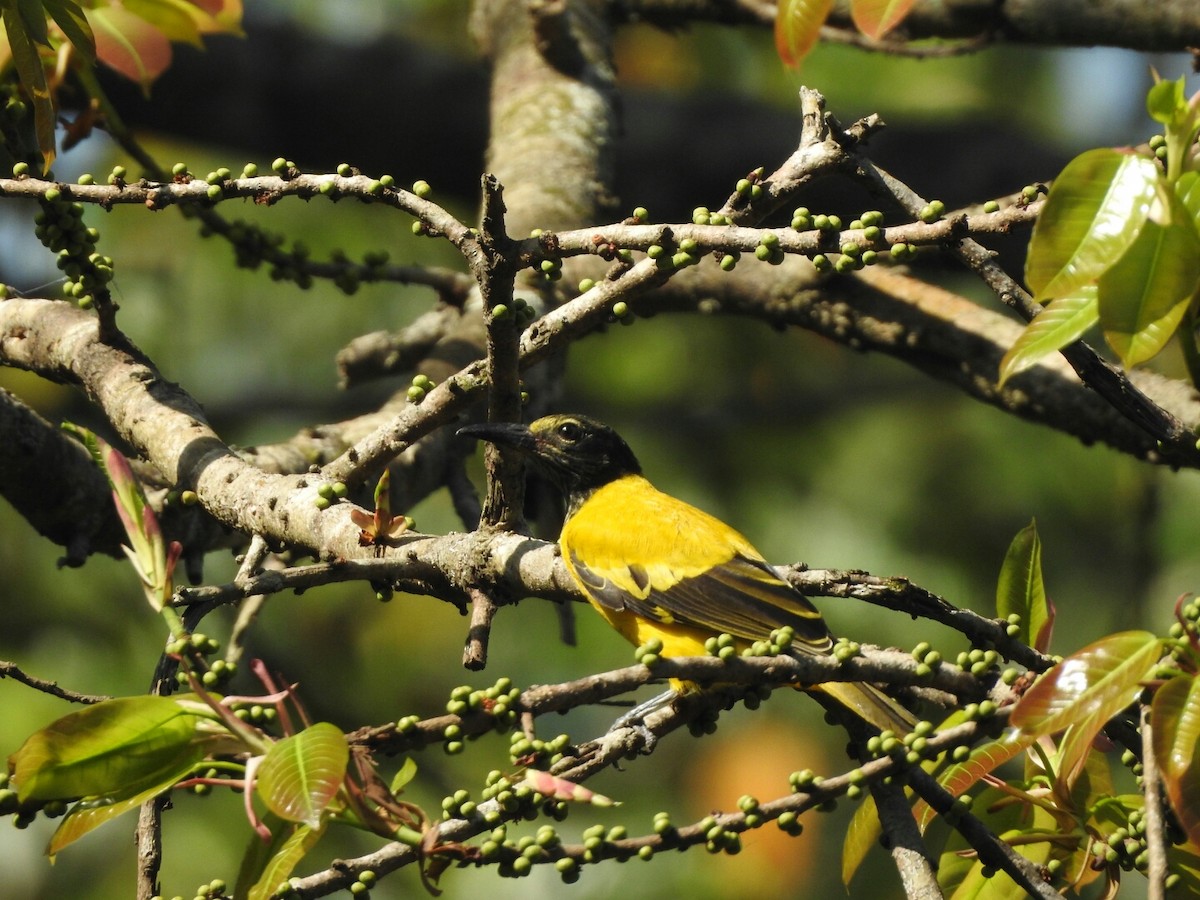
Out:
{"x": 639, "y": 540}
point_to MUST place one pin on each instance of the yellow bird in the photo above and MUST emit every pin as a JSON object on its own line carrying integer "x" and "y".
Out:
{"x": 656, "y": 567}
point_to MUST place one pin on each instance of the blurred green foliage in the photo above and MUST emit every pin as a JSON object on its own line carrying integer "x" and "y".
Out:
{"x": 817, "y": 454}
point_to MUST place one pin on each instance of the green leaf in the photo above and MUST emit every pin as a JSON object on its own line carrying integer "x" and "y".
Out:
{"x": 1166, "y": 103}
{"x": 408, "y": 771}
{"x": 177, "y": 19}
{"x": 797, "y": 27}
{"x": 69, "y": 16}
{"x": 1143, "y": 297}
{"x": 1175, "y": 727}
{"x": 1094, "y": 211}
{"x": 1089, "y": 687}
{"x": 861, "y": 836}
{"x": 91, "y": 814}
{"x": 875, "y": 18}
{"x": 32, "y": 74}
{"x": 110, "y": 748}
{"x": 266, "y": 865}
{"x": 1188, "y": 190}
{"x": 301, "y": 774}
{"x": 1020, "y": 589}
{"x": 1063, "y": 321}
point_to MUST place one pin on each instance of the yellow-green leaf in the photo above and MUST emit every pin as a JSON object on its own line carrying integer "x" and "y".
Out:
{"x": 961, "y": 777}
{"x": 91, "y": 814}
{"x": 1063, "y": 321}
{"x": 1020, "y": 590}
{"x": 861, "y": 835}
{"x": 797, "y": 26}
{"x": 302, "y": 773}
{"x": 1094, "y": 211}
{"x": 109, "y": 748}
{"x": 875, "y": 18}
{"x": 1175, "y": 724}
{"x": 1089, "y": 687}
{"x": 1143, "y": 296}
{"x": 69, "y": 17}
{"x": 266, "y": 865}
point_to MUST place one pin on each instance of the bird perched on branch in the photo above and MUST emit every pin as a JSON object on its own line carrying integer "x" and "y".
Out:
{"x": 656, "y": 567}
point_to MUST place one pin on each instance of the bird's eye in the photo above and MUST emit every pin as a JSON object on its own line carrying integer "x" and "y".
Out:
{"x": 570, "y": 432}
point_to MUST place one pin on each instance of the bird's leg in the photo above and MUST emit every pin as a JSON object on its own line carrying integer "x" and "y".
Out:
{"x": 635, "y": 719}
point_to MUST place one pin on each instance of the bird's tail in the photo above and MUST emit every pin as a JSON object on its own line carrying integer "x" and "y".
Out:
{"x": 870, "y": 704}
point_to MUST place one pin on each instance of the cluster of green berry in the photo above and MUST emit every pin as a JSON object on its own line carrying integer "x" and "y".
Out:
{"x": 60, "y": 227}
{"x": 718, "y": 838}
{"x": 912, "y": 748}
{"x": 330, "y": 492}
{"x": 420, "y": 386}
{"x": 197, "y": 648}
{"x": 24, "y": 814}
{"x": 498, "y": 701}
{"x": 536, "y": 752}
{"x": 519, "y": 311}
{"x": 926, "y": 658}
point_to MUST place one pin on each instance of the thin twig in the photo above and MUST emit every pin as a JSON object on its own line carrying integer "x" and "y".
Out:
{"x": 1156, "y": 841}
{"x": 908, "y": 851}
{"x": 11, "y": 670}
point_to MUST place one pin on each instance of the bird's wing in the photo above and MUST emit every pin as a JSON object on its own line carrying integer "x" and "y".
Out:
{"x": 742, "y": 597}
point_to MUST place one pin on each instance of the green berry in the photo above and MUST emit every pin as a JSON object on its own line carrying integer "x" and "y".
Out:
{"x": 991, "y": 206}
{"x": 279, "y": 165}
{"x": 179, "y": 169}
{"x": 20, "y": 170}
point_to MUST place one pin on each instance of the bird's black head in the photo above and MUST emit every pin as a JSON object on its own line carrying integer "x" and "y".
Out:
{"x": 575, "y": 453}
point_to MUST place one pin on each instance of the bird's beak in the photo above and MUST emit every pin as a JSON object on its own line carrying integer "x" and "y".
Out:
{"x": 503, "y": 434}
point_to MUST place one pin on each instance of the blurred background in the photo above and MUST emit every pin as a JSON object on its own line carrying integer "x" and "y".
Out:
{"x": 819, "y": 455}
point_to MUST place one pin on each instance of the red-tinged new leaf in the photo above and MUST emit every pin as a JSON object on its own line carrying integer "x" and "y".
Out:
{"x": 1062, "y": 322}
{"x": 875, "y": 18}
{"x": 561, "y": 789}
{"x": 1090, "y": 686}
{"x": 797, "y": 27}
{"x": 109, "y": 749}
{"x": 129, "y": 44}
{"x": 862, "y": 834}
{"x": 961, "y": 777}
{"x": 1094, "y": 211}
{"x": 1144, "y": 296}
{"x": 301, "y": 774}
{"x": 1175, "y": 724}
{"x": 1020, "y": 589}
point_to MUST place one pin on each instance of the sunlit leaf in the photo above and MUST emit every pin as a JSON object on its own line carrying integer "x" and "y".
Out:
{"x": 1063, "y": 321}
{"x": 178, "y": 20}
{"x": 875, "y": 18}
{"x": 1165, "y": 101}
{"x": 1175, "y": 725}
{"x": 961, "y": 777}
{"x": 1185, "y": 862}
{"x": 1144, "y": 295}
{"x": 129, "y": 44}
{"x": 797, "y": 27}
{"x": 1090, "y": 686}
{"x": 109, "y": 748}
{"x": 408, "y": 771}
{"x": 1020, "y": 589}
{"x": 861, "y": 836}
{"x": 1094, "y": 211}
{"x": 226, "y": 14}
{"x": 302, "y": 773}
{"x": 88, "y": 815}
{"x": 1187, "y": 188}
{"x": 266, "y": 865}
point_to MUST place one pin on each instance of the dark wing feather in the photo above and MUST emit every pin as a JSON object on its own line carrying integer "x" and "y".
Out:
{"x": 742, "y": 597}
